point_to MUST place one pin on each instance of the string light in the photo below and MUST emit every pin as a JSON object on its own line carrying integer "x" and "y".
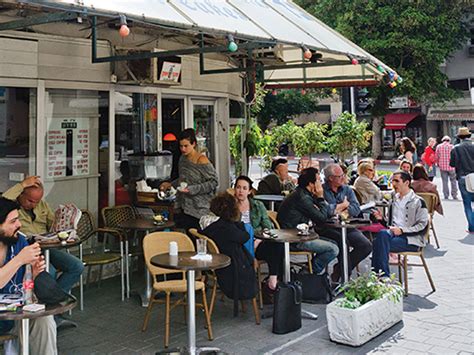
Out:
{"x": 354, "y": 61}
{"x": 231, "y": 46}
{"x": 124, "y": 30}
{"x": 307, "y": 54}
{"x": 381, "y": 69}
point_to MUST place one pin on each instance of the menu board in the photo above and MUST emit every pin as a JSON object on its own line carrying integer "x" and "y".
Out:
{"x": 67, "y": 143}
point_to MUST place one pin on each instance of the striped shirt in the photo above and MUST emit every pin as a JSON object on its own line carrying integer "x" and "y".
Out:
{"x": 443, "y": 154}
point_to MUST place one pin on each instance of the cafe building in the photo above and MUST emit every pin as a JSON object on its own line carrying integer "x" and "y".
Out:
{"x": 88, "y": 85}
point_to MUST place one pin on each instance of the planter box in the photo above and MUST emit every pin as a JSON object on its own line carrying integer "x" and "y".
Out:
{"x": 357, "y": 326}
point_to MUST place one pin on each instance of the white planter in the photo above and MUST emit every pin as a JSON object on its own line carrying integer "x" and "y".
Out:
{"x": 357, "y": 326}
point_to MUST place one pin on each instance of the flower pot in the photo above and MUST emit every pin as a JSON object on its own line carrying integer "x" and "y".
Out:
{"x": 357, "y": 326}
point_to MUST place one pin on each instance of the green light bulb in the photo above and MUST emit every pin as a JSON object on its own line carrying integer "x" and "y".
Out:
{"x": 232, "y": 47}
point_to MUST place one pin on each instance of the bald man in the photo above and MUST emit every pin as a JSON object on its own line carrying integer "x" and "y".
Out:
{"x": 36, "y": 217}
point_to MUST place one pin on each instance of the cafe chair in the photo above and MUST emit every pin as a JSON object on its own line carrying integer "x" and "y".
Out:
{"x": 357, "y": 194}
{"x": 214, "y": 249}
{"x": 298, "y": 253}
{"x": 431, "y": 201}
{"x": 99, "y": 254}
{"x": 403, "y": 264}
{"x": 158, "y": 243}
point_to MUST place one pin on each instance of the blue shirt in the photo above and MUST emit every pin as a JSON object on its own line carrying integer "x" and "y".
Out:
{"x": 335, "y": 198}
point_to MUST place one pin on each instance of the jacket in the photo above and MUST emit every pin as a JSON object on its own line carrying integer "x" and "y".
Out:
{"x": 428, "y": 157}
{"x": 416, "y": 219}
{"x": 300, "y": 207}
{"x": 367, "y": 189}
{"x": 270, "y": 185}
{"x": 334, "y": 198}
{"x": 462, "y": 158}
{"x": 422, "y": 185}
{"x": 259, "y": 216}
{"x": 238, "y": 280}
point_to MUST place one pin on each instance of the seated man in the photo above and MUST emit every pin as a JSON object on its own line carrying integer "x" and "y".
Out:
{"x": 408, "y": 221}
{"x": 37, "y": 217}
{"x": 306, "y": 204}
{"x": 342, "y": 200}
{"x": 15, "y": 253}
{"x": 277, "y": 181}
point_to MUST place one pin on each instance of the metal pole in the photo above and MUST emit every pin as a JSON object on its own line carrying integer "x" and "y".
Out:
{"x": 352, "y": 100}
{"x": 46, "y": 259}
{"x": 286, "y": 277}
{"x": 25, "y": 336}
{"x": 191, "y": 313}
{"x": 345, "y": 261}
{"x": 81, "y": 282}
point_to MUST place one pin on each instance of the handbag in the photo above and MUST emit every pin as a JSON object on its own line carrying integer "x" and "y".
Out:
{"x": 287, "y": 308}
{"x": 470, "y": 182}
{"x": 316, "y": 288}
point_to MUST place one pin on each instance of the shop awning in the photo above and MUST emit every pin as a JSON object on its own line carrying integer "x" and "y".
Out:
{"x": 450, "y": 115}
{"x": 399, "y": 120}
{"x": 285, "y": 27}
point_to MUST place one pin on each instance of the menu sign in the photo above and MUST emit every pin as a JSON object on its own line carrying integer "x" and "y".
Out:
{"x": 67, "y": 148}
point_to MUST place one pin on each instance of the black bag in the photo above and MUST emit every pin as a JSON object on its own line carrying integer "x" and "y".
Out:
{"x": 287, "y": 308}
{"x": 316, "y": 288}
{"x": 48, "y": 291}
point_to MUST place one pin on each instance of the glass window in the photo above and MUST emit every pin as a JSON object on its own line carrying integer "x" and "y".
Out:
{"x": 204, "y": 126}
{"x": 17, "y": 135}
{"x": 172, "y": 119}
{"x": 460, "y": 84}
{"x": 472, "y": 36}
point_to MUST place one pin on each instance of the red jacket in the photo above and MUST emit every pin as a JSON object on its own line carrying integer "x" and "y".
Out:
{"x": 429, "y": 156}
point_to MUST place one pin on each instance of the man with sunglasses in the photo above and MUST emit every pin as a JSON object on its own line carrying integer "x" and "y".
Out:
{"x": 407, "y": 221}
{"x": 15, "y": 253}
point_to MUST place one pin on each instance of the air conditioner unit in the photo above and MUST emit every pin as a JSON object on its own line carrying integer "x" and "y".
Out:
{"x": 470, "y": 51}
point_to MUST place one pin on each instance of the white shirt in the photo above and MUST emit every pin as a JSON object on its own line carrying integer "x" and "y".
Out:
{"x": 245, "y": 216}
{"x": 399, "y": 210}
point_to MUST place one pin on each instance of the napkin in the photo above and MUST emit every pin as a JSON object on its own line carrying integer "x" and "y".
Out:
{"x": 206, "y": 257}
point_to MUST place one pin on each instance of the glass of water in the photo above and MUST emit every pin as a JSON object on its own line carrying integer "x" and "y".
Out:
{"x": 201, "y": 245}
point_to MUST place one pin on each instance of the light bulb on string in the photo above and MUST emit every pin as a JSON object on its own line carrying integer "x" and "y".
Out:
{"x": 399, "y": 80}
{"x": 354, "y": 61}
{"x": 303, "y": 92}
{"x": 380, "y": 69}
{"x": 392, "y": 84}
{"x": 307, "y": 54}
{"x": 124, "y": 31}
{"x": 231, "y": 46}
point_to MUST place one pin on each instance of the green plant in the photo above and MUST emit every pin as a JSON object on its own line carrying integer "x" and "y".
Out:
{"x": 309, "y": 139}
{"x": 367, "y": 287}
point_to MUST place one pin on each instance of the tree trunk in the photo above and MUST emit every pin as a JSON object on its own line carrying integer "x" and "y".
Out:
{"x": 377, "y": 123}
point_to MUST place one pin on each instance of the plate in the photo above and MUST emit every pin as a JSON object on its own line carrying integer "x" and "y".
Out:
{"x": 303, "y": 234}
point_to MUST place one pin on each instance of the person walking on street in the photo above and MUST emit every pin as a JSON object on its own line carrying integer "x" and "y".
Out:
{"x": 443, "y": 155}
{"x": 429, "y": 158}
{"x": 462, "y": 159}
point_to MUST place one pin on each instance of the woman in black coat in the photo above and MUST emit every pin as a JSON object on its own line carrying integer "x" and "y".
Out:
{"x": 238, "y": 280}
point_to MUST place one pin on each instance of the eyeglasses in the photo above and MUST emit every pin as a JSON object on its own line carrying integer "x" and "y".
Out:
{"x": 338, "y": 176}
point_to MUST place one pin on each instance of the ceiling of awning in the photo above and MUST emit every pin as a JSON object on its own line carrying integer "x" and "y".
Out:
{"x": 399, "y": 120}
{"x": 288, "y": 28}
{"x": 450, "y": 115}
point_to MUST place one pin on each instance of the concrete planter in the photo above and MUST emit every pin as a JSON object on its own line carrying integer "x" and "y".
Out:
{"x": 357, "y": 326}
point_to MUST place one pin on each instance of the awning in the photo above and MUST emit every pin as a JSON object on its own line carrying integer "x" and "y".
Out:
{"x": 399, "y": 120}
{"x": 450, "y": 115}
{"x": 285, "y": 26}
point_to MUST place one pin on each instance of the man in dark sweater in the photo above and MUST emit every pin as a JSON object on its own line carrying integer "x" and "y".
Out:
{"x": 462, "y": 159}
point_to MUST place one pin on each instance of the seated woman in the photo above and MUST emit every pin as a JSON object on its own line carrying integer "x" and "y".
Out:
{"x": 365, "y": 185}
{"x": 255, "y": 213}
{"x": 421, "y": 183}
{"x": 406, "y": 166}
{"x": 238, "y": 280}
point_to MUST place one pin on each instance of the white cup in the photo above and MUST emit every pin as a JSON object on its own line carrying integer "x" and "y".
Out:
{"x": 173, "y": 248}
{"x": 366, "y": 216}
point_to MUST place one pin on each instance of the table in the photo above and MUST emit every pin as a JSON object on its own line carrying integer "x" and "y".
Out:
{"x": 145, "y": 225}
{"x": 56, "y": 244}
{"x": 184, "y": 262}
{"x": 26, "y": 316}
{"x": 344, "y": 226}
{"x": 270, "y": 198}
{"x": 288, "y": 236}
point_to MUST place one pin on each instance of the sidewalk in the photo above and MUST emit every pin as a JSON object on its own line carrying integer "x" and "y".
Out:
{"x": 439, "y": 323}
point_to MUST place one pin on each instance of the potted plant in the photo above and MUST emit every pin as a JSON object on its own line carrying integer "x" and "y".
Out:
{"x": 369, "y": 306}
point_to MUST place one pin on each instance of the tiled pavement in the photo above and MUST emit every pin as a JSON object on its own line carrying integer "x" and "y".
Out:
{"x": 440, "y": 323}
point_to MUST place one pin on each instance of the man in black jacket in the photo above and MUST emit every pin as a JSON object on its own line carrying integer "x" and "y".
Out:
{"x": 306, "y": 204}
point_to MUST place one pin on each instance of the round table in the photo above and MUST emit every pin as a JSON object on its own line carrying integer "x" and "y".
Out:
{"x": 145, "y": 225}
{"x": 25, "y": 317}
{"x": 270, "y": 198}
{"x": 344, "y": 225}
{"x": 288, "y": 236}
{"x": 184, "y": 262}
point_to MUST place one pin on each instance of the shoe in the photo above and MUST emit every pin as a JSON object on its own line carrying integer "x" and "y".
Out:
{"x": 267, "y": 293}
{"x": 336, "y": 274}
{"x": 62, "y": 322}
{"x": 455, "y": 198}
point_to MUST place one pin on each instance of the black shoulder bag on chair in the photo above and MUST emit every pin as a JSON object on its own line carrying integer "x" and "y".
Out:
{"x": 287, "y": 307}
{"x": 316, "y": 288}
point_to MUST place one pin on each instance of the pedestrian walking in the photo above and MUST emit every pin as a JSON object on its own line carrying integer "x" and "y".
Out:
{"x": 443, "y": 155}
{"x": 429, "y": 158}
{"x": 462, "y": 159}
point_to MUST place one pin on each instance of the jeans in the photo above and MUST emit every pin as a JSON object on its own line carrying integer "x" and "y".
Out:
{"x": 384, "y": 243}
{"x": 70, "y": 266}
{"x": 467, "y": 200}
{"x": 325, "y": 251}
{"x": 451, "y": 175}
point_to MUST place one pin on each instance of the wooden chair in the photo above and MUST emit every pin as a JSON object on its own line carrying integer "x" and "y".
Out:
{"x": 403, "y": 263}
{"x": 158, "y": 243}
{"x": 357, "y": 194}
{"x": 307, "y": 254}
{"x": 431, "y": 201}
{"x": 99, "y": 255}
{"x": 214, "y": 249}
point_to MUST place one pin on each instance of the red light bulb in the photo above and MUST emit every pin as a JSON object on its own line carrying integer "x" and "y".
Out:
{"x": 307, "y": 54}
{"x": 124, "y": 31}
{"x": 354, "y": 61}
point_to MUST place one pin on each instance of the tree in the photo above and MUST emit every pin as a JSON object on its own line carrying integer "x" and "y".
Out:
{"x": 309, "y": 139}
{"x": 348, "y": 136}
{"x": 412, "y": 37}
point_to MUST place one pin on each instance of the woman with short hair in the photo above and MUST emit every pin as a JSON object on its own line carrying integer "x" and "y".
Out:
{"x": 364, "y": 184}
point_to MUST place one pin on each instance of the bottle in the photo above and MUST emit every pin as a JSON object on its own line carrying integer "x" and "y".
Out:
{"x": 28, "y": 285}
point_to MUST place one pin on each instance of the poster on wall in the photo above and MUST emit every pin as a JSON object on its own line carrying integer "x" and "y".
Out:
{"x": 67, "y": 144}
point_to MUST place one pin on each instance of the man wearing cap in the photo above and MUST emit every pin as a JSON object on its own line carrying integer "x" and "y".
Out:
{"x": 15, "y": 253}
{"x": 462, "y": 159}
{"x": 277, "y": 181}
{"x": 443, "y": 155}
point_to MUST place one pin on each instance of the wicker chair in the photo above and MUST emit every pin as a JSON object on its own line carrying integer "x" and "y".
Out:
{"x": 431, "y": 201}
{"x": 99, "y": 255}
{"x": 157, "y": 243}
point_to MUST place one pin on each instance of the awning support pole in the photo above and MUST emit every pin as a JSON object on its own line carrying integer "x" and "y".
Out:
{"x": 38, "y": 20}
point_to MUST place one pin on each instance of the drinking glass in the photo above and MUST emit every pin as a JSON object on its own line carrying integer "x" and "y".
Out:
{"x": 201, "y": 245}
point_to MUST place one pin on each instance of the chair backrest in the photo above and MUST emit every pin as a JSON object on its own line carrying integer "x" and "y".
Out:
{"x": 430, "y": 199}
{"x": 211, "y": 245}
{"x": 273, "y": 217}
{"x": 158, "y": 243}
{"x": 357, "y": 193}
{"x": 115, "y": 215}
{"x": 85, "y": 226}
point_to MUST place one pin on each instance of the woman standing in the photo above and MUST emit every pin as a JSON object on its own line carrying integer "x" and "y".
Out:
{"x": 429, "y": 158}
{"x": 408, "y": 150}
{"x": 255, "y": 213}
{"x": 196, "y": 184}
